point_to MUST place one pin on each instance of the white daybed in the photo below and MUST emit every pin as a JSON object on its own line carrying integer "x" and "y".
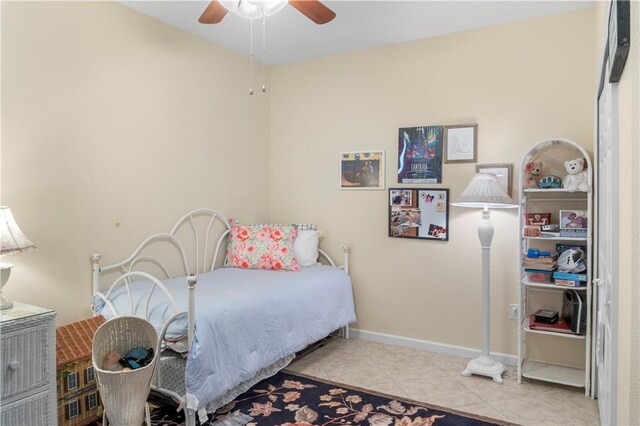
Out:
{"x": 237, "y": 325}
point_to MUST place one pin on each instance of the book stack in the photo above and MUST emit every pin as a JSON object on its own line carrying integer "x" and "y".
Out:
{"x": 539, "y": 260}
{"x": 557, "y": 327}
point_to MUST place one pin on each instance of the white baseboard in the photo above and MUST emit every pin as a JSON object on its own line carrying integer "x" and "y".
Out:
{"x": 426, "y": 345}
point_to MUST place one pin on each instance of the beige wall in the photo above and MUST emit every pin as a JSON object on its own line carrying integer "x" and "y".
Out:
{"x": 628, "y": 319}
{"x": 521, "y": 83}
{"x": 122, "y": 119}
{"x": 110, "y": 116}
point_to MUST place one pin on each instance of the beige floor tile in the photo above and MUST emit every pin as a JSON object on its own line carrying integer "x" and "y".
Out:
{"x": 487, "y": 410}
{"x": 490, "y": 391}
{"x": 543, "y": 411}
{"x": 363, "y": 376}
{"x": 443, "y": 391}
{"x": 435, "y": 379}
{"x": 309, "y": 366}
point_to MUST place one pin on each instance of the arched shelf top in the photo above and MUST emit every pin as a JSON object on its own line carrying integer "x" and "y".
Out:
{"x": 557, "y": 144}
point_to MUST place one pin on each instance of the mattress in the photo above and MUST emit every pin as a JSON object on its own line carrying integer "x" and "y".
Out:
{"x": 245, "y": 320}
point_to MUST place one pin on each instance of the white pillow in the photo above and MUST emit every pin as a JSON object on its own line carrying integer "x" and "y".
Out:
{"x": 305, "y": 247}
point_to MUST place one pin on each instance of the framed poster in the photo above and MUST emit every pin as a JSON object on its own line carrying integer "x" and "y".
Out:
{"x": 419, "y": 213}
{"x": 503, "y": 172}
{"x": 362, "y": 170}
{"x": 619, "y": 37}
{"x": 461, "y": 143}
{"x": 420, "y": 154}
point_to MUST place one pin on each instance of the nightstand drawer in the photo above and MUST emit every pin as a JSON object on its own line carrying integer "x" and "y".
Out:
{"x": 25, "y": 355}
{"x": 33, "y": 410}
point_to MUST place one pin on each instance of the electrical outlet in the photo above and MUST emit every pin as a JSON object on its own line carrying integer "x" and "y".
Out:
{"x": 513, "y": 311}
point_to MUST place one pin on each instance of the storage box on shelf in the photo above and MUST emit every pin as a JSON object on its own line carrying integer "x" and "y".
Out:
{"x": 559, "y": 355}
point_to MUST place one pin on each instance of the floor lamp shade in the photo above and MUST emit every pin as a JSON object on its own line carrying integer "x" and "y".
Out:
{"x": 12, "y": 241}
{"x": 485, "y": 192}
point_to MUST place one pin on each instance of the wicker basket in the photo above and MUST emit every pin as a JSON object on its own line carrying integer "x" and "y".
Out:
{"x": 124, "y": 393}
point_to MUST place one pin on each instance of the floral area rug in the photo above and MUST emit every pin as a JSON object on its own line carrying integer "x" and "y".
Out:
{"x": 294, "y": 400}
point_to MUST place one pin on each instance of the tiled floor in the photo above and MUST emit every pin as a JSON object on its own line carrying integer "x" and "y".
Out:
{"x": 435, "y": 378}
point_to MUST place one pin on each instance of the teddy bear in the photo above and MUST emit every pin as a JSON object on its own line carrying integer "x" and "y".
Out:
{"x": 577, "y": 179}
{"x": 532, "y": 171}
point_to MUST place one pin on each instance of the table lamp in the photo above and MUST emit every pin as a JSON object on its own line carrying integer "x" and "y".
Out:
{"x": 12, "y": 241}
{"x": 485, "y": 192}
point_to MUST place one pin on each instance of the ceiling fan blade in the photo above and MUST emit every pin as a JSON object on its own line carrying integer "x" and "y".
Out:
{"x": 213, "y": 13}
{"x": 314, "y": 10}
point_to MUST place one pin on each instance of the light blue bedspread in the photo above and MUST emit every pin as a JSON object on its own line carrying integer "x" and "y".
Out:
{"x": 248, "y": 319}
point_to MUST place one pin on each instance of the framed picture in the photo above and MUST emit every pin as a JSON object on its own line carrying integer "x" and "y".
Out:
{"x": 362, "y": 170}
{"x": 504, "y": 172}
{"x": 419, "y": 213}
{"x": 619, "y": 37}
{"x": 573, "y": 219}
{"x": 420, "y": 154}
{"x": 461, "y": 143}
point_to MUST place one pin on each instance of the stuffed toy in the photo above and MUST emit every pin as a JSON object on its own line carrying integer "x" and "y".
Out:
{"x": 532, "y": 171}
{"x": 111, "y": 362}
{"x": 577, "y": 179}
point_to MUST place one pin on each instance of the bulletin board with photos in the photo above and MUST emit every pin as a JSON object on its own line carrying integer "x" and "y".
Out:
{"x": 419, "y": 213}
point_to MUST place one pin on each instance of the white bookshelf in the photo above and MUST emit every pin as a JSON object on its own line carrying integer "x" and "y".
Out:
{"x": 532, "y": 295}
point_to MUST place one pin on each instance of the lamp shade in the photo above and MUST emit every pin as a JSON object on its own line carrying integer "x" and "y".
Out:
{"x": 12, "y": 239}
{"x": 484, "y": 191}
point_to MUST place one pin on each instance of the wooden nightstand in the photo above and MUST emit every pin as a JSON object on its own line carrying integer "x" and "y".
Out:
{"x": 28, "y": 366}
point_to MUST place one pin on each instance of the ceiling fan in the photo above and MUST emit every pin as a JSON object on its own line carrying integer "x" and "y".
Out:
{"x": 312, "y": 9}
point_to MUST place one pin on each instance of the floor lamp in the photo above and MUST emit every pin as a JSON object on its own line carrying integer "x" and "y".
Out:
{"x": 485, "y": 192}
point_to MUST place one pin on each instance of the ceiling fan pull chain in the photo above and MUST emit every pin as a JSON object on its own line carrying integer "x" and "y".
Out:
{"x": 251, "y": 55}
{"x": 264, "y": 53}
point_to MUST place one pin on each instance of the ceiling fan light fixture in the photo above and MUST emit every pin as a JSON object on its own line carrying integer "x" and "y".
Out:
{"x": 253, "y": 9}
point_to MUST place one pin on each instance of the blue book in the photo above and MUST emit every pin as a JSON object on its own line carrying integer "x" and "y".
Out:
{"x": 569, "y": 276}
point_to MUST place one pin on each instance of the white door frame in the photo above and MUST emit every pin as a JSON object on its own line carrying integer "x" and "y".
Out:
{"x": 610, "y": 410}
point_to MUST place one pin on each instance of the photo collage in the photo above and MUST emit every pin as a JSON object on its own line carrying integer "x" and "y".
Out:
{"x": 419, "y": 213}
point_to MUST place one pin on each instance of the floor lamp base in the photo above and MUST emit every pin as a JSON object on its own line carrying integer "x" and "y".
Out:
{"x": 485, "y": 366}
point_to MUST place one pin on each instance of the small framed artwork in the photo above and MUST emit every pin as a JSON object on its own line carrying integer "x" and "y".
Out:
{"x": 573, "y": 219}
{"x": 619, "y": 37}
{"x": 503, "y": 172}
{"x": 419, "y": 213}
{"x": 362, "y": 170}
{"x": 461, "y": 143}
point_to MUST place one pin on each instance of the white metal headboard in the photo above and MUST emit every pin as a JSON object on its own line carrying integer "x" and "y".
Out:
{"x": 201, "y": 252}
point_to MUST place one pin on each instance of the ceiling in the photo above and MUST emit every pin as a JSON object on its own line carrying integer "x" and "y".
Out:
{"x": 291, "y": 37}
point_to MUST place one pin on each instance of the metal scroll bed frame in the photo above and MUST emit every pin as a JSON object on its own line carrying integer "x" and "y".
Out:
{"x": 200, "y": 226}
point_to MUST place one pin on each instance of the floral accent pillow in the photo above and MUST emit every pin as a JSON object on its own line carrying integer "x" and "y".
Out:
{"x": 262, "y": 247}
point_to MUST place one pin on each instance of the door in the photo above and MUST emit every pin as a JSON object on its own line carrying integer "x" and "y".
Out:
{"x": 606, "y": 246}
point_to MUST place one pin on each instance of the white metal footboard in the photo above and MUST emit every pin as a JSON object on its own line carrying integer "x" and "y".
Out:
{"x": 126, "y": 281}
{"x": 346, "y": 250}
{"x": 201, "y": 259}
